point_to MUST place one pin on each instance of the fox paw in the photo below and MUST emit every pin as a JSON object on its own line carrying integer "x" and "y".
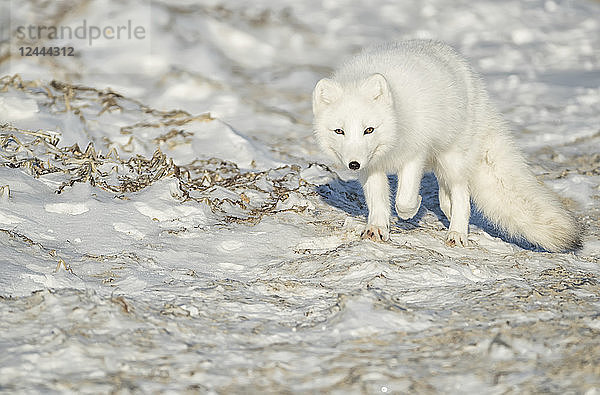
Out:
{"x": 375, "y": 233}
{"x": 406, "y": 212}
{"x": 456, "y": 239}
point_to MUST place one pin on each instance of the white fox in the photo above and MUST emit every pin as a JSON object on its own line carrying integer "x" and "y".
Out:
{"x": 412, "y": 106}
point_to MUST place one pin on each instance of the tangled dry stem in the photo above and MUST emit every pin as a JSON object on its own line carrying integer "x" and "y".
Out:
{"x": 40, "y": 153}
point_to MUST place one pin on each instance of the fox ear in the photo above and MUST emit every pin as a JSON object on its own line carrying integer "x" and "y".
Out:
{"x": 376, "y": 87}
{"x": 326, "y": 92}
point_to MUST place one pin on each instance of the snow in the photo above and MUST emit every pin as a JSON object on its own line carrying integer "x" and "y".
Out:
{"x": 168, "y": 224}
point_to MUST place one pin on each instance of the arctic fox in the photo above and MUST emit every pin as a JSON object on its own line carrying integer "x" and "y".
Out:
{"x": 412, "y": 106}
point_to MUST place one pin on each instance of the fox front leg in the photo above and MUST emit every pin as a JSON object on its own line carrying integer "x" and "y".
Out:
{"x": 377, "y": 194}
{"x": 408, "y": 199}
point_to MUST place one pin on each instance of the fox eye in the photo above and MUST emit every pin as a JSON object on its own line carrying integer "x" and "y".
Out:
{"x": 339, "y": 131}
{"x": 369, "y": 130}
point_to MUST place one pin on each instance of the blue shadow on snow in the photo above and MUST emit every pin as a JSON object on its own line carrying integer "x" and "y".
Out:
{"x": 348, "y": 196}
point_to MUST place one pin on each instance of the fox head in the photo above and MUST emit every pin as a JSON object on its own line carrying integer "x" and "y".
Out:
{"x": 354, "y": 122}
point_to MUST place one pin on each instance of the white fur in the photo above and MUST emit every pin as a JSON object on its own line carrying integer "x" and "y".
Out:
{"x": 429, "y": 110}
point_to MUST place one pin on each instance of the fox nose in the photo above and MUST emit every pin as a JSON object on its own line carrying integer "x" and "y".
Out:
{"x": 354, "y": 165}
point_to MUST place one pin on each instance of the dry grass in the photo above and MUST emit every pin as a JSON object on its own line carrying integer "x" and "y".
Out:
{"x": 40, "y": 154}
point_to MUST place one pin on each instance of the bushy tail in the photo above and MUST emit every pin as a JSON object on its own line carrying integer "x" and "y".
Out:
{"x": 506, "y": 191}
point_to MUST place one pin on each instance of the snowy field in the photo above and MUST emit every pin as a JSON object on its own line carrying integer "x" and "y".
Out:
{"x": 168, "y": 224}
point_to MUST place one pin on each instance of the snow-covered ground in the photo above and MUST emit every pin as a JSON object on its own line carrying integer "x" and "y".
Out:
{"x": 167, "y": 222}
